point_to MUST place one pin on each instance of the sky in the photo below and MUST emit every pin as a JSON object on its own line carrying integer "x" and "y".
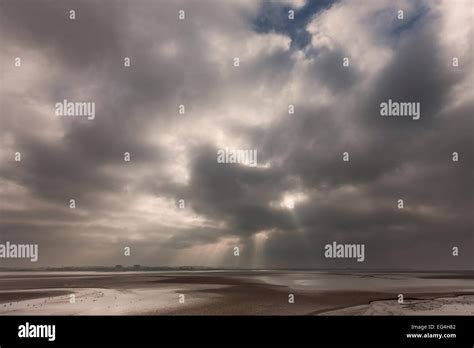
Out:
{"x": 301, "y": 195}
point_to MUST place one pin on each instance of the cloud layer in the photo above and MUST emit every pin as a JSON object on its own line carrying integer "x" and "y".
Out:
{"x": 301, "y": 196}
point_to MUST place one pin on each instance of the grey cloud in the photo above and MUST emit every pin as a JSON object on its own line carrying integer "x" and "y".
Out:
{"x": 174, "y": 63}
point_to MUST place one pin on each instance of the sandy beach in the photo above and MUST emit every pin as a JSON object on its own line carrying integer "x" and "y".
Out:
{"x": 235, "y": 293}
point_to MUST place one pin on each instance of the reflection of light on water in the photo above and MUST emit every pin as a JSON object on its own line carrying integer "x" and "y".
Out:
{"x": 327, "y": 281}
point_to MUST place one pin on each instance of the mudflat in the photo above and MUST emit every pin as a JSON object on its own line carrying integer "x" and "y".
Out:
{"x": 233, "y": 293}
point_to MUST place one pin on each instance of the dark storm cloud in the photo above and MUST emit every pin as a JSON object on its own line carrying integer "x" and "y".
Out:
{"x": 330, "y": 73}
{"x": 174, "y": 156}
{"x": 41, "y": 20}
{"x": 126, "y": 103}
{"x": 414, "y": 75}
{"x": 384, "y": 148}
{"x": 236, "y": 194}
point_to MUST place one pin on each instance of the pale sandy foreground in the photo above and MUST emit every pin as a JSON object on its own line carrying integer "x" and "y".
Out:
{"x": 457, "y": 305}
{"x": 227, "y": 293}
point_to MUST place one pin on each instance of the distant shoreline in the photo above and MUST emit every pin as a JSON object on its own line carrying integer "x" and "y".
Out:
{"x": 199, "y": 268}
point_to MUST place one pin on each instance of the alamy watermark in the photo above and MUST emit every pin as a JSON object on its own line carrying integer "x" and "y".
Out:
{"x": 28, "y": 330}
{"x": 345, "y": 251}
{"x": 247, "y": 157}
{"x": 19, "y": 251}
{"x": 392, "y": 108}
{"x": 79, "y": 109}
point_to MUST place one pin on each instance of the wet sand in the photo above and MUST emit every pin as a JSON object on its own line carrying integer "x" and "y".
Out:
{"x": 232, "y": 293}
